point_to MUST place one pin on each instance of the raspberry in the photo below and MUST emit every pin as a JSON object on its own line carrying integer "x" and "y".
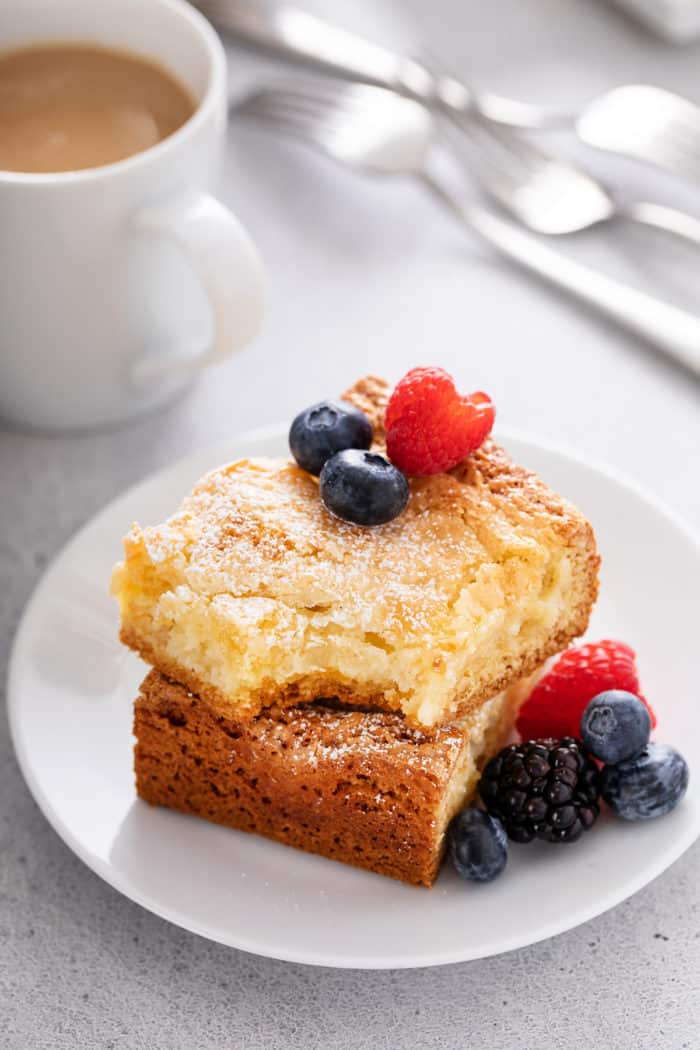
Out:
{"x": 555, "y": 705}
{"x": 430, "y": 428}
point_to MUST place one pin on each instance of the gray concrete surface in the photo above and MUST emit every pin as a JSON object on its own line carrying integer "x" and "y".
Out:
{"x": 366, "y": 276}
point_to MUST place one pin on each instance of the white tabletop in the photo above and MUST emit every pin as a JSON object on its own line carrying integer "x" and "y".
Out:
{"x": 370, "y": 276}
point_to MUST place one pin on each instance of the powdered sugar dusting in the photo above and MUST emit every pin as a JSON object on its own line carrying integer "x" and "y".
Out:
{"x": 253, "y": 581}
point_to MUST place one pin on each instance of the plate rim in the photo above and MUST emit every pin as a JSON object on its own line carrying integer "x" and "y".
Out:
{"x": 123, "y": 885}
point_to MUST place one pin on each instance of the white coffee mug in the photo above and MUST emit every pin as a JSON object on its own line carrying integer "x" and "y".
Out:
{"x": 119, "y": 283}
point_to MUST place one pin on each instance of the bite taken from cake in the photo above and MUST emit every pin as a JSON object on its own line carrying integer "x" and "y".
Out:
{"x": 255, "y": 594}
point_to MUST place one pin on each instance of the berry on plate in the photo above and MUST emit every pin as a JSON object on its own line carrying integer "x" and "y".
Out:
{"x": 616, "y": 725}
{"x": 556, "y": 704}
{"x": 477, "y": 845}
{"x": 430, "y": 428}
{"x": 545, "y": 789}
{"x": 646, "y": 786}
{"x": 320, "y": 431}
{"x": 363, "y": 487}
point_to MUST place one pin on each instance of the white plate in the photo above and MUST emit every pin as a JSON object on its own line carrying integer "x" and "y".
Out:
{"x": 70, "y": 692}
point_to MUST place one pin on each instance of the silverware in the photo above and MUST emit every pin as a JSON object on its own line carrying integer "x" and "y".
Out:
{"x": 676, "y": 20}
{"x": 546, "y": 194}
{"x": 647, "y": 123}
{"x": 376, "y": 131}
{"x": 639, "y": 121}
{"x": 293, "y": 34}
{"x": 549, "y": 195}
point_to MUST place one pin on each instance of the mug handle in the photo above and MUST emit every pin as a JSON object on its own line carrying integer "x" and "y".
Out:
{"x": 223, "y": 256}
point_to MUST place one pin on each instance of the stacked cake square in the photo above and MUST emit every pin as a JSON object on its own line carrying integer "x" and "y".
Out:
{"x": 334, "y": 687}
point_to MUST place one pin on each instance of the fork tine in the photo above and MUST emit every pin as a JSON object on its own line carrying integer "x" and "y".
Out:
{"x": 292, "y": 103}
{"x": 317, "y": 109}
{"x": 317, "y": 122}
{"x": 546, "y": 193}
{"x": 334, "y": 93}
{"x": 286, "y": 118}
{"x": 323, "y": 101}
{"x": 361, "y": 127}
{"x": 494, "y": 158}
{"x": 286, "y": 107}
{"x": 506, "y": 156}
{"x": 646, "y": 122}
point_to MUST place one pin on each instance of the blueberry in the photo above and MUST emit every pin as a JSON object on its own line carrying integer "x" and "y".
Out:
{"x": 324, "y": 429}
{"x": 615, "y": 726}
{"x": 363, "y": 487}
{"x": 478, "y": 845}
{"x": 647, "y": 785}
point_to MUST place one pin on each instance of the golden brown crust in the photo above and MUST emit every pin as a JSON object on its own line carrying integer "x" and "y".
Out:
{"x": 491, "y": 470}
{"x": 254, "y": 581}
{"x": 353, "y": 785}
{"x": 370, "y": 394}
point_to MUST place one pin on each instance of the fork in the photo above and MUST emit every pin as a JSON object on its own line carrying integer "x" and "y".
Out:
{"x": 376, "y": 131}
{"x": 647, "y": 123}
{"x": 549, "y": 195}
{"x": 638, "y": 120}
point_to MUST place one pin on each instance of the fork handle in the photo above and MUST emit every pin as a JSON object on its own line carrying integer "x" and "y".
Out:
{"x": 294, "y": 34}
{"x": 673, "y": 331}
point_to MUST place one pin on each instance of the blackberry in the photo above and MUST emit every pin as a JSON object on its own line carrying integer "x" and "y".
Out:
{"x": 545, "y": 789}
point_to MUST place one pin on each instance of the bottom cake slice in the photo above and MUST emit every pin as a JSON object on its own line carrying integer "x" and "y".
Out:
{"x": 357, "y": 786}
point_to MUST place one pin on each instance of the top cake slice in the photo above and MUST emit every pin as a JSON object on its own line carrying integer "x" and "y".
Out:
{"x": 253, "y": 594}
